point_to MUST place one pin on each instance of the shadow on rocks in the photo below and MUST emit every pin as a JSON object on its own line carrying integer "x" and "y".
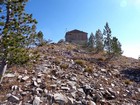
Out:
{"x": 132, "y": 74}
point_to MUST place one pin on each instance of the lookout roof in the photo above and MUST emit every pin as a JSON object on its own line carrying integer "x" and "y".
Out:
{"x": 76, "y": 31}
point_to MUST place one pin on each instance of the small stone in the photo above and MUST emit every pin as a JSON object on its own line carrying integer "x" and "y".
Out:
{"x": 80, "y": 90}
{"x": 60, "y": 98}
{"x": 35, "y": 84}
{"x": 73, "y": 78}
{"x": 104, "y": 70}
{"x": 95, "y": 74}
{"x": 39, "y": 75}
{"x": 71, "y": 100}
{"x": 91, "y": 103}
{"x": 36, "y": 100}
{"x": 25, "y": 78}
{"x": 45, "y": 91}
{"x": 9, "y": 75}
{"x": 138, "y": 89}
{"x": 23, "y": 93}
{"x": 25, "y": 71}
{"x": 53, "y": 77}
{"x": 73, "y": 94}
{"x": 13, "y": 99}
{"x": 53, "y": 85}
{"x": 39, "y": 80}
{"x": 112, "y": 84}
{"x": 34, "y": 79}
{"x": 65, "y": 88}
{"x": 19, "y": 77}
{"x": 15, "y": 87}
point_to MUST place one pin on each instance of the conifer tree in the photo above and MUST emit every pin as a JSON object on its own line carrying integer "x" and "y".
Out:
{"x": 116, "y": 46}
{"x": 40, "y": 41}
{"x": 107, "y": 34}
{"x": 99, "y": 40}
{"x": 17, "y": 28}
{"x": 91, "y": 41}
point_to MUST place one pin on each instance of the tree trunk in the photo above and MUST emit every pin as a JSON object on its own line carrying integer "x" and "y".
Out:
{"x": 3, "y": 68}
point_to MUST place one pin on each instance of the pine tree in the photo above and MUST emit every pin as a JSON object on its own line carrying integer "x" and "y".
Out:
{"x": 107, "y": 34}
{"x": 91, "y": 41}
{"x": 116, "y": 46}
{"x": 40, "y": 41}
{"x": 99, "y": 40}
{"x": 17, "y": 29}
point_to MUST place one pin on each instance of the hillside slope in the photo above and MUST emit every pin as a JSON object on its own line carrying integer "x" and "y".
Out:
{"x": 69, "y": 75}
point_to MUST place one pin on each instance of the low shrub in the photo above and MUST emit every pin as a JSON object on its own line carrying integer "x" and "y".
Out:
{"x": 88, "y": 69}
{"x": 80, "y": 62}
{"x": 127, "y": 82}
{"x": 64, "y": 66}
{"x": 56, "y": 61}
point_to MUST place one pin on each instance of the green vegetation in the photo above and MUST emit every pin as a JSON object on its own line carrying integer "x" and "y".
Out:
{"x": 17, "y": 33}
{"x": 88, "y": 69}
{"x": 57, "y": 61}
{"x": 91, "y": 42}
{"x": 104, "y": 42}
{"x": 127, "y": 82}
{"x": 80, "y": 62}
{"x": 39, "y": 40}
{"x": 64, "y": 66}
{"x": 112, "y": 45}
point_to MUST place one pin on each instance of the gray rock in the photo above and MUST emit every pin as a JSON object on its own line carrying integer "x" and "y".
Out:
{"x": 73, "y": 94}
{"x": 65, "y": 88}
{"x": 39, "y": 80}
{"x": 91, "y": 103}
{"x": 73, "y": 78}
{"x": 19, "y": 77}
{"x": 72, "y": 84}
{"x": 54, "y": 78}
{"x": 104, "y": 70}
{"x": 71, "y": 101}
{"x": 35, "y": 84}
{"x": 14, "y": 87}
{"x": 96, "y": 75}
{"x": 39, "y": 75}
{"x": 13, "y": 99}
{"x": 36, "y": 100}
{"x": 109, "y": 95}
{"x": 78, "y": 103}
{"x": 34, "y": 79}
{"x": 9, "y": 75}
{"x": 60, "y": 98}
{"x": 138, "y": 89}
{"x": 50, "y": 98}
{"x": 25, "y": 78}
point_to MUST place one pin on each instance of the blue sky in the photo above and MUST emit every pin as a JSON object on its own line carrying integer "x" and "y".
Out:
{"x": 55, "y": 17}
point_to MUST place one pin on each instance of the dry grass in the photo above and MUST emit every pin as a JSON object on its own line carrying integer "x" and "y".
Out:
{"x": 88, "y": 69}
{"x": 57, "y": 61}
{"x": 80, "y": 62}
{"x": 127, "y": 82}
{"x": 64, "y": 66}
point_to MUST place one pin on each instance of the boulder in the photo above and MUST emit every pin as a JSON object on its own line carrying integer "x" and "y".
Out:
{"x": 60, "y": 98}
{"x": 36, "y": 100}
{"x": 13, "y": 99}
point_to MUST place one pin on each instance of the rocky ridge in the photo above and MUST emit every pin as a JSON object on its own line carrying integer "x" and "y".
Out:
{"x": 68, "y": 75}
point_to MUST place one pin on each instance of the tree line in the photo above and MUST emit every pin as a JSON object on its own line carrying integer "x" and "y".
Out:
{"x": 105, "y": 42}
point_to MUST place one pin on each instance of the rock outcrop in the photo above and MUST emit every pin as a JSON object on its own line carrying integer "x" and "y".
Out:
{"x": 67, "y": 76}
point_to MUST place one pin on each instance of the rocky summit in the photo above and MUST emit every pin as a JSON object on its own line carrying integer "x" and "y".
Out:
{"x": 67, "y": 74}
